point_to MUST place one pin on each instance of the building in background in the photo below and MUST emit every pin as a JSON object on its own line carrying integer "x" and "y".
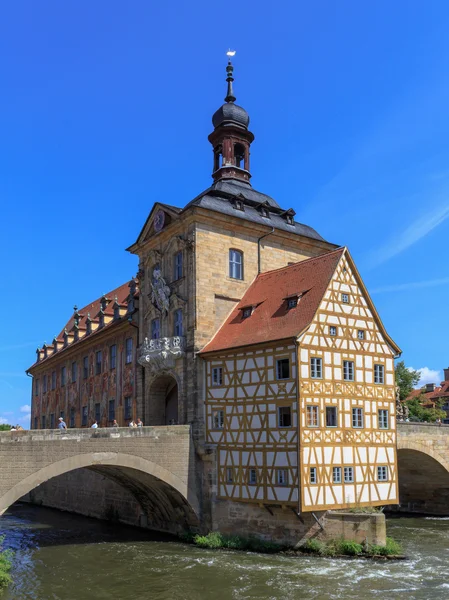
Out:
{"x": 433, "y": 395}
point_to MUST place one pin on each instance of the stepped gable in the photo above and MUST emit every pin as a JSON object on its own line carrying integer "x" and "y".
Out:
{"x": 271, "y": 319}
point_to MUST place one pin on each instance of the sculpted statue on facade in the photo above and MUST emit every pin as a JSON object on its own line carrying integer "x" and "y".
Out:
{"x": 160, "y": 292}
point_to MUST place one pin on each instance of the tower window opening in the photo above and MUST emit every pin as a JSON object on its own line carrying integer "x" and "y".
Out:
{"x": 239, "y": 156}
{"x": 218, "y": 158}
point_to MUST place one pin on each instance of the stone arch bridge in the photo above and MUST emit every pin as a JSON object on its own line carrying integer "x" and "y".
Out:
{"x": 155, "y": 464}
{"x": 423, "y": 466}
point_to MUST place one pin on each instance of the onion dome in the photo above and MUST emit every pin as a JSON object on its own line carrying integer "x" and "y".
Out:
{"x": 230, "y": 113}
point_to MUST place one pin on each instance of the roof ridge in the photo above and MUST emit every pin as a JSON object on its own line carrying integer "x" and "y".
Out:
{"x": 302, "y": 262}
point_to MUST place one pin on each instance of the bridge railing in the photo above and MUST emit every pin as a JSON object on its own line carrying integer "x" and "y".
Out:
{"x": 100, "y": 432}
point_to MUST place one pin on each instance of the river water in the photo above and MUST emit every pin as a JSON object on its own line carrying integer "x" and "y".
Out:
{"x": 59, "y": 556}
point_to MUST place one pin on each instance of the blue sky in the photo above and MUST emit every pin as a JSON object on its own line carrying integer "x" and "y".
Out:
{"x": 106, "y": 107}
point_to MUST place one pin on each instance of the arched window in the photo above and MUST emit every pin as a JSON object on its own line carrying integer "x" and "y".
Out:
{"x": 235, "y": 264}
{"x": 239, "y": 156}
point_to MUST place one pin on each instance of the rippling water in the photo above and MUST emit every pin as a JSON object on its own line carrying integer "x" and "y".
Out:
{"x": 66, "y": 557}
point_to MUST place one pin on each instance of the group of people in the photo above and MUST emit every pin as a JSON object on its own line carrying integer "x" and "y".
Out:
{"x": 16, "y": 428}
{"x": 62, "y": 424}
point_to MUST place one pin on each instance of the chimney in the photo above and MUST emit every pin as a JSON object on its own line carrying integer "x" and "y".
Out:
{"x": 430, "y": 387}
{"x": 446, "y": 374}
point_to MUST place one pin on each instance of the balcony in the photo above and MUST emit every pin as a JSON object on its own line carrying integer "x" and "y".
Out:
{"x": 161, "y": 354}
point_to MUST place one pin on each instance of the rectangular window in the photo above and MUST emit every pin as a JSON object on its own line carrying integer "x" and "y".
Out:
{"x": 98, "y": 362}
{"x": 113, "y": 356}
{"x": 235, "y": 264}
{"x": 252, "y": 477}
{"x": 129, "y": 350}
{"x": 285, "y": 416}
{"x": 336, "y": 475}
{"x": 97, "y": 412}
{"x": 84, "y": 416}
{"x": 313, "y": 416}
{"x": 345, "y": 298}
{"x": 292, "y": 302}
{"x": 74, "y": 371}
{"x": 111, "y": 411}
{"x": 52, "y": 421}
{"x": 316, "y": 368}
{"x": 229, "y": 475}
{"x": 53, "y": 380}
{"x": 85, "y": 367}
{"x": 35, "y": 423}
{"x": 43, "y": 424}
{"x": 217, "y": 376}
{"x": 361, "y": 334}
{"x": 283, "y": 368}
{"x": 178, "y": 266}
{"x": 72, "y": 417}
{"x": 313, "y": 475}
{"x": 379, "y": 376}
{"x": 331, "y": 416}
{"x": 332, "y": 330}
{"x": 155, "y": 329}
{"x": 218, "y": 419}
{"x": 44, "y": 384}
{"x": 357, "y": 417}
{"x": 61, "y": 414}
{"x": 128, "y": 408}
{"x": 282, "y": 477}
{"x": 384, "y": 422}
{"x": 178, "y": 323}
{"x": 63, "y": 375}
{"x": 348, "y": 370}
{"x": 36, "y": 388}
{"x": 382, "y": 473}
{"x": 349, "y": 474}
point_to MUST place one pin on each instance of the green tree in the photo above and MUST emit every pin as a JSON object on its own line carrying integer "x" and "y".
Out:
{"x": 5, "y": 427}
{"x": 406, "y": 379}
{"x": 417, "y": 412}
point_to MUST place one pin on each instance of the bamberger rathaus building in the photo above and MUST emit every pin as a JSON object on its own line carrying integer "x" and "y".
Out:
{"x": 250, "y": 327}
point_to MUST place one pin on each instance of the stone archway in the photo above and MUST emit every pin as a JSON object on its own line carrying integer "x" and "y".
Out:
{"x": 166, "y": 501}
{"x": 423, "y": 479}
{"x": 163, "y": 401}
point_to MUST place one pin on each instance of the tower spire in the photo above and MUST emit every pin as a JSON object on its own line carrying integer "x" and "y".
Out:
{"x": 230, "y": 70}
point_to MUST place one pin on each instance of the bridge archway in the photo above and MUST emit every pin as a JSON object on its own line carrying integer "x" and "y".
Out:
{"x": 166, "y": 501}
{"x": 164, "y": 400}
{"x": 423, "y": 479}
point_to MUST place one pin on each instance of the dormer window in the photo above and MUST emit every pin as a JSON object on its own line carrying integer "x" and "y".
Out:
{"x": 265, "y": 212}
{"x": 289, "y": 220}
{"x": 76, "y": 333}
{"x": 88, "y": 325}
{"x": 101, "y": 318}
{"x": 247, "y": 312}
{"x": 66, "y": 339}
{"x": 116, "y": 312}
{"x": 292, "y": 302}
{"x": 103, "y": 302}
{"x": 238, "y": 205}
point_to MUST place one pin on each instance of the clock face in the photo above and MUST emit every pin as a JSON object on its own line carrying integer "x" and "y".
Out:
{"x": 159, "y": 220}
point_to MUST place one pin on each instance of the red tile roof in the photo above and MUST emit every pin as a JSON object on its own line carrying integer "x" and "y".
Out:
{"x": 271, "y": 318}
{"x": 440, "y": 391}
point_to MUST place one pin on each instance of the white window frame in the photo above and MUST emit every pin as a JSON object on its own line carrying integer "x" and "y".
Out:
{"x": 312, "y": 415}
{"x": 332, "y": 330}
{"x": 348, "y": 370}
{"x": 348, "y": 473}
{"x": 336, "y": 475}
{"x": 217, "y": 376}
{"x": 379, "y": 374}
{"x": 382, "y": 473}
{"x": 235, "y": 264}
{"x": 383, "y": 418}
{"x": 278, "y": 361}
{"x": 218, "y": 419}
{"x": 335, "y": 410}
{"x": 280, "y": 419}
{"x": 252, "y": 476}
{"x": 357, "y": 417}
{"x": 282, "y": 477}
{"x": 313, "y": 476}
{"x": 316, "y": 368}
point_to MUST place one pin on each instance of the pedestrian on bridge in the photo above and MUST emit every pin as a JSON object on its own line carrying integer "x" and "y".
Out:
{"x": 94, "y": 425}
{"x": 61, "y": 424}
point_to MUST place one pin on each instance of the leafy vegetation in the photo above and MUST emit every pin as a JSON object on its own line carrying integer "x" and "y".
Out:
{"x": 5, "y": 565}
{"x": 347, "y": 548}
{"x": 216, "y": 540}
{"x": 5, "y": 427}
{"x": 417, "y": 412}
{"x": 406, "y": 379}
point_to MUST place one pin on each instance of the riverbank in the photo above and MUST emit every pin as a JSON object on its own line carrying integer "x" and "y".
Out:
{"x": 330, "y": 548}
{"x": 5, "y": 565}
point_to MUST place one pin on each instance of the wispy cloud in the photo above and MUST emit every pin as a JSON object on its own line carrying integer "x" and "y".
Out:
{"x": 25, "y": 419}
{"x": 18, "y": 346}
{"x": 26, "y": 408}
{"x": 412, "y": 234}
{"x": 427, "y": 376}
{"x": 3, "y": 421}
{"x": 413, "y": 285}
